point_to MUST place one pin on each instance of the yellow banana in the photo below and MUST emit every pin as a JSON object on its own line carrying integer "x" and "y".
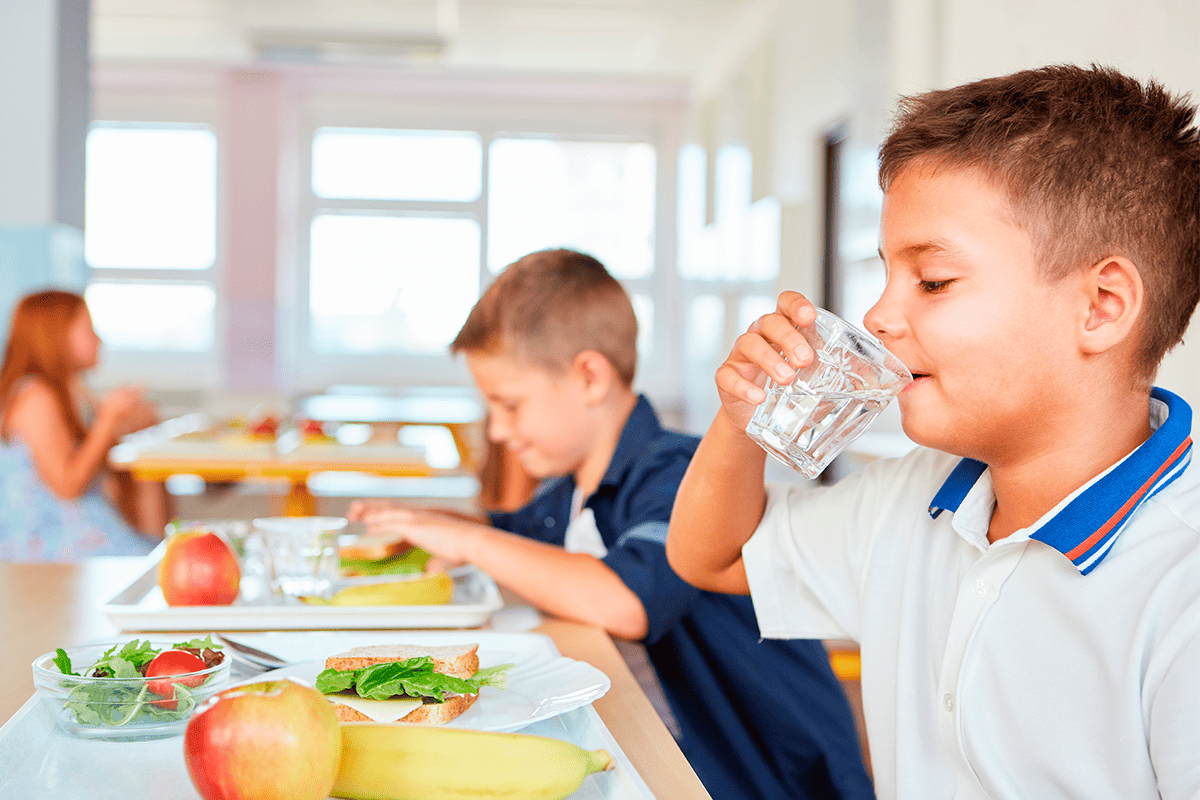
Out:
{"x": 417, "y": 762}
{"x": 431, "y": 590}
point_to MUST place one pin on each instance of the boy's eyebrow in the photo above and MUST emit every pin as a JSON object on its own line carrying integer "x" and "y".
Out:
{"x": 936, "y": 246}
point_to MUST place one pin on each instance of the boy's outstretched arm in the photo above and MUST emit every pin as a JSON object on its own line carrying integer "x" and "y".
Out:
{"x": 575, "y": 586}
{"x": 722, "y": 497}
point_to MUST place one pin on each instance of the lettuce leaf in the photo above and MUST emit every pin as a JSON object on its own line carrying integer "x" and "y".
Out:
{"x": 333, "y": 680}
{"x": 63, "y": 662}
{"x": 414, "y": 677}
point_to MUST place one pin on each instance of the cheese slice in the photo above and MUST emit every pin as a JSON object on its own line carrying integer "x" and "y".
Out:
{"x": 378, "y": 710}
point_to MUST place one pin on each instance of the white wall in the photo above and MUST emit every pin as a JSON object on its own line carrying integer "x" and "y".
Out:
{"x": 28, "y": 88}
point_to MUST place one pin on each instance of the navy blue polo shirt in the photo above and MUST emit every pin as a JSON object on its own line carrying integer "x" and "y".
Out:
{"x": 759, "y": 718}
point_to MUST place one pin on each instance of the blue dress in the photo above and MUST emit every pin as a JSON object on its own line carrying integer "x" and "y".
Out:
{"x": 38, "y": 525}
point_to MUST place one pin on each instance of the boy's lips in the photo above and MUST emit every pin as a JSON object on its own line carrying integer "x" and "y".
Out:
{"x": 917, "y": 377}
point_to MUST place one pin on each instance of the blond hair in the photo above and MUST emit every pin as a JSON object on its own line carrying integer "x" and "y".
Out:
{"x": 549, "y": 307}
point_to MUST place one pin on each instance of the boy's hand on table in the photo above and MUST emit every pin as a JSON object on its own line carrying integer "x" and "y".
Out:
{"x": 360, "y": 509}
{"x": 770, "y": 347}
{"x": 444, "y": 536}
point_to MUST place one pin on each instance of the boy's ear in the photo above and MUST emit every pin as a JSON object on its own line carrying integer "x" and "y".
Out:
{"x": 1115, "y": 296}
{"x": 595, "y": 373}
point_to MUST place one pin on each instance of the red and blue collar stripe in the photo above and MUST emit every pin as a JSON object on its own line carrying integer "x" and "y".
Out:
{"x": 1084, "y": 530}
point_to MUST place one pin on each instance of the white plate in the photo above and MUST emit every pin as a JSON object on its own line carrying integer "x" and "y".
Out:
{"x": 40, "y": 762}
{"x": 140, "y": 607}
{"x": 542, "y": 685}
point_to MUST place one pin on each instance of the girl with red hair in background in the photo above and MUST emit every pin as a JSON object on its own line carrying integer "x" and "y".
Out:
{"x": 54, "y": 439}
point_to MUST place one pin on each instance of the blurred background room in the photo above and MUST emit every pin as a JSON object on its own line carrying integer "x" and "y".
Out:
{"x": 280, "y": 211}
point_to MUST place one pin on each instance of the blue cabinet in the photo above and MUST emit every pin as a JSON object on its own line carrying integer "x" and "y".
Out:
{"x": 35, "y": 258}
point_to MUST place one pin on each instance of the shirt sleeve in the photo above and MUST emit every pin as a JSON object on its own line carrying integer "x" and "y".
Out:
{"x": 1172, "y": 702}
{"x": 807, "y": 562}
{"x": 639, "y": 556}
{"x": 543, "y": 518}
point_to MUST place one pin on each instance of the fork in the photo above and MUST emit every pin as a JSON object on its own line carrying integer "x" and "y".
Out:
{"x": 251, "y": 655}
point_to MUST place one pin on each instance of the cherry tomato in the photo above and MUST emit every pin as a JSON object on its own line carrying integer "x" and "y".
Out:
{"x": 173, "y": 662}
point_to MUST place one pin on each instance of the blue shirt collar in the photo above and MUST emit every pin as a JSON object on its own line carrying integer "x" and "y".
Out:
{"x": 641, "y": 428}
{"x": 1084, "y": 529}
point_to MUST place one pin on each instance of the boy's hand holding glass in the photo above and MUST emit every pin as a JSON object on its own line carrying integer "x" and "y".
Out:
{"x": 811, "y": 413}
{"x": 773, "y": 347}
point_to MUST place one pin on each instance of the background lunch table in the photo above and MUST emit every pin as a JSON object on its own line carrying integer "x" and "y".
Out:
{"x": 457, "y": 411}
{"x": 158, "y": 454}
{"x": 56, "y": 605}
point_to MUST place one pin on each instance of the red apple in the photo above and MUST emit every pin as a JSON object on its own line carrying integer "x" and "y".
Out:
{"x": 273, "y": 739}
{"x": 199, "y": 569}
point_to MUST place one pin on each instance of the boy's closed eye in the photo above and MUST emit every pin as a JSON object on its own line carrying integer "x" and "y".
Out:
{"x": 935, "y": 286}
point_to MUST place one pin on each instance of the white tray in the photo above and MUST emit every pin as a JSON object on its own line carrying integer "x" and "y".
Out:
{"x": 140, "y": 607}
{"x": 40, "y": 762}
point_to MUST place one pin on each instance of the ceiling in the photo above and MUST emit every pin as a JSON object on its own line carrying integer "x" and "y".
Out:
{"x": 644, "y": 38}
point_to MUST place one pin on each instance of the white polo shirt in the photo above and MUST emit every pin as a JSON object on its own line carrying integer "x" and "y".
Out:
{"x": 1063, "y": 661}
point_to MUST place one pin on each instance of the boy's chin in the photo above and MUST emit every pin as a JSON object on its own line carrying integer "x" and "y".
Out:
{"x": 934, "y": 439}
{"x": 539, "y": 468}
{"x": 923, "y": 435}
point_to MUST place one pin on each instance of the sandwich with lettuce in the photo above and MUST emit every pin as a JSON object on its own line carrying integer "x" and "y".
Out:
{"x": 407, "y": 683}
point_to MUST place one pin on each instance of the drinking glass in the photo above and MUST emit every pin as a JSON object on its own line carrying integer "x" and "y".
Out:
{"x": 830, "y": 402}
{"x": 301, "y": 553}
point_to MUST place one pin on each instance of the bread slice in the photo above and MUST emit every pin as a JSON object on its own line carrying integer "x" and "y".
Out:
{"x": 459, "y": 661}
{"x": 430, "y": 713}
{"x": 373, "y": 548}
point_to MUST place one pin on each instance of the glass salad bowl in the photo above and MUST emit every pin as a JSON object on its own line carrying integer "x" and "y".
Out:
{"x": 112, "y": 698}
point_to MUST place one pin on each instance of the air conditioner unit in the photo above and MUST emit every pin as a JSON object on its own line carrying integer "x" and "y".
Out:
{"x": 425, "y": 30}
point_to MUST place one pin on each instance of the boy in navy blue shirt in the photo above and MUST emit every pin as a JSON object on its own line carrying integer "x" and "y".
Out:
{"x": 552, "y": 347}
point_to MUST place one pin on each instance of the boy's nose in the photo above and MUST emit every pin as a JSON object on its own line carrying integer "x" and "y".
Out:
{"x": 883, "y": 319}
{"x": 497, "y": 431}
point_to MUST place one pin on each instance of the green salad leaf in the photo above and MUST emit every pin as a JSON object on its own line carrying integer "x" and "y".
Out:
{"x": 197, "y": 644}
{"x": 125, "y": 662}
{"x": 413, "y": 677}
{"x": 125, "y": 697}
{"x": 63, "y": 662}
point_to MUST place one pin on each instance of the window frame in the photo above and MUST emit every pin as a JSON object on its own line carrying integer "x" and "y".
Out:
{"x": 191, "y": 105}
{"x": 310, "y": 370}
{"x": 698, "y": 378}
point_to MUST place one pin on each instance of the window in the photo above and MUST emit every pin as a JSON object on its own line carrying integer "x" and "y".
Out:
{"x": 178, "y": 315}
{"x": 596, "y": 197}
{"x": 408, "y": 263}
{"x": 402, "y": 236}
{"x": 728, "y": 267}
{"x": 151, "y": 209}
{"x": 394, "y": 244}
{"x": 397, "y": 165}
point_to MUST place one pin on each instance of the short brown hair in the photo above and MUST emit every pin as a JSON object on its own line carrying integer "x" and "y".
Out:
{"x": 549, "y": 307}
{"x": 1095, "y": 164}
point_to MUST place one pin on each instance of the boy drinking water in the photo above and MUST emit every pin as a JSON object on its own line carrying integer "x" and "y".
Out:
{"x": 1025, "y": 587}
{"x": 551, "y": 346}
